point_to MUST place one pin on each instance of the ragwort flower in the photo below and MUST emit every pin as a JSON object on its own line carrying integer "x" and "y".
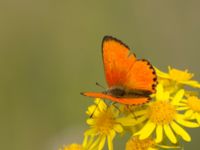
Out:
{"x": 191, "y": 106}
{"x": 177, "y": 77}
{"x": 136, "y": 144}
{"x": 103, "y": 125}
{"x": 163, "y": 117}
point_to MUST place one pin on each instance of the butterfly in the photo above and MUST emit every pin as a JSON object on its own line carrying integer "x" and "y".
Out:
{"x": 130, "y": 80}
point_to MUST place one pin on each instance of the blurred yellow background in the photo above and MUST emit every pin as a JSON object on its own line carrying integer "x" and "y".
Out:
{"x": 50, "y": 51}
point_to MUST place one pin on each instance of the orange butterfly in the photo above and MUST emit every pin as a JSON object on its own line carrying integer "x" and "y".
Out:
{"x": 130, "y": 80}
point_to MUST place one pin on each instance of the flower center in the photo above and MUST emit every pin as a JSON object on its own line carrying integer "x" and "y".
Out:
{"x": 161, "y": 112}
{"x": 136, "y": 144}
{"x": 105, "y": 122}
{"x": 179, "y": 75}
{"x": 194, "y": 103}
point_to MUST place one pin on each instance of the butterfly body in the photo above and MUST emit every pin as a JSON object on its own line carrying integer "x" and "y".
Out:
{"x": 130, "y": 80}
{"x": 121, "y": 92}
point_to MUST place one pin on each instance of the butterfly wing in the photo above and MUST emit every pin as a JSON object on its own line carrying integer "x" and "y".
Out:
{"x": 123, "y": 69}
{"x": 117, "y": 60}
{"x": 129, "y": 100}
{"x": 141, "y": 76}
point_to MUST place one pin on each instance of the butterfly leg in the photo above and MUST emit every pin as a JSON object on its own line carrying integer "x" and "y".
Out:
{"x": 114, "y": 104}
{"x": 94, "y": 109}
{"x": 131, "y": 110}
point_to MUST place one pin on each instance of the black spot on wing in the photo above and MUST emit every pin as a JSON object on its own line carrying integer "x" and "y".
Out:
{"x": 148, "y": 99}
{"x": 153, "y": 72}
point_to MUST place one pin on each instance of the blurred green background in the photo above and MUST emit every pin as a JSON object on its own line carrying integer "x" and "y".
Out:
{"x": 50, "y": 51}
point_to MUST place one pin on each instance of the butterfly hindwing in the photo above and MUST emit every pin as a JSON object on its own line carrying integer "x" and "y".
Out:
{"x": 141, "y": 76}
{"x": 117, "y": 60}
{"x": 129, "y": 101}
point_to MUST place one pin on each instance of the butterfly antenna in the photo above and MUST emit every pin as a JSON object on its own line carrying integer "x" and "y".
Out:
{"x": 100, "y": 85}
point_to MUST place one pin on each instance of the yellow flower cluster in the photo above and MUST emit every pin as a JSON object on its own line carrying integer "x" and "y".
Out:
{"x": 163, "y": 120}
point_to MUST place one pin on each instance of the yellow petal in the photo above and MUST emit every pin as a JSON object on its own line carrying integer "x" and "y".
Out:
{"x": 182, "y": 103}
{"x": 95, "y": 144}
{"x": 186, "y": 123}
{"x": 189, "y": 113}
{"x": 180, "y": 131}
{"x": 102, "y": 106}
{"x": 126, "y": 121}
{"x": 193, "y": 116}
{"x": 146, "y": 130}
{"x": 159, "y": 133}
{"x": 118, "y": 128}
{"x": 179, "y": 95}
{"x": 182, "y": 108}
{"x": 159, "y": 93}
{"x": 88, "y": 141}
{"x": 166, "y": 96}
{"x": 110, "y": 140}
{"x": 168, "y": 147}
{"x": 150, "y": 148}
{"x": 169, "y": 133}
{"x": 197, "y": 116}
{"x": 192, "y": 83}
{"x": 85, "y": 141}
{"x": 141, "y": 119}
{"x": 130, "y": 121}
{"x": 161, "y": 74}
{"x": 90, "y": 109}
{"x": 140, "y": 113}
{"x": 90, "y": 121}
{"x": 97, "y": 100}
{"x": 102, "y": 143}
{"x": 90, "y": 132}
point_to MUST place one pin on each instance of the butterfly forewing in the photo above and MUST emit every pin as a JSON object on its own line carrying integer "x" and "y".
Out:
{"x": 117, "y": 61}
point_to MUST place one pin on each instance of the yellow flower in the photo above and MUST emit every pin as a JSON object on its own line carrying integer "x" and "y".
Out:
{"x": 136, "y": 144}
{"x": 163, "y": 117}
{"x": 104, "y": 125}
{"x": 178, "y": 77}
{"x": 147, "y": 144}
{"x": 191, "y": 107}
{"x": 72, "y": 147}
